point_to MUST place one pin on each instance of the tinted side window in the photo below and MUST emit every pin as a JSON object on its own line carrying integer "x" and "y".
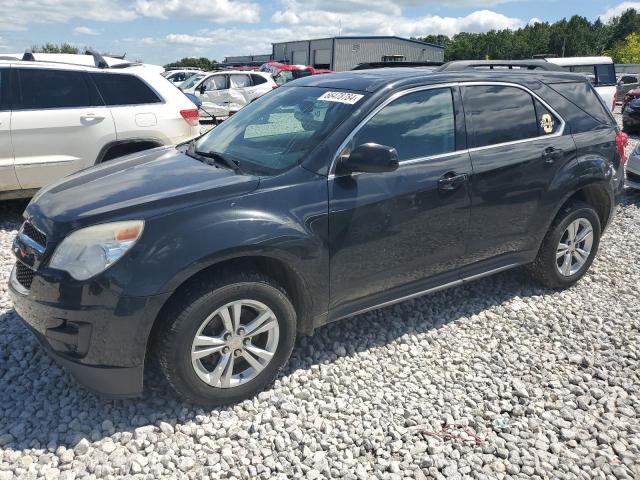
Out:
{"x": 606, "y": 74}
{"x": 258, "y": 80}
{"x": 45, "y": 88}
{"x": 583, "y": 96}
{"x": 418, "y": 124}
{"x": 498, "y": 114}
{"x": 122, "y": 89}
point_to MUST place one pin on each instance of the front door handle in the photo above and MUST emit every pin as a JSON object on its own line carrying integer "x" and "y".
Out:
{"x": 551, "y": 154}
{"x": 91, "y": 116}
{"x": 451, "y": 181}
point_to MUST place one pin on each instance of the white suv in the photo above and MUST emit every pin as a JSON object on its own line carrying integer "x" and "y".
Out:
{"x": 58, "y": 118}
{"x": 224, "y": 93}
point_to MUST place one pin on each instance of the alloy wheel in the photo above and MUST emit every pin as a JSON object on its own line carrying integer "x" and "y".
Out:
{"x": 574, "y": 247}
{"x": 235, "y": 343}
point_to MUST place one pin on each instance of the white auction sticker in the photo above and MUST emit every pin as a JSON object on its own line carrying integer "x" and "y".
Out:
{"x": 341, "y": 97}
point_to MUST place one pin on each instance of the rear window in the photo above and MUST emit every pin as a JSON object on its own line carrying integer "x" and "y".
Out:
{"x": 122, "y": 89}
{"x": 499, "y": 114}
{"x": 39, "y": 88}
{"x": 582, "y": 95}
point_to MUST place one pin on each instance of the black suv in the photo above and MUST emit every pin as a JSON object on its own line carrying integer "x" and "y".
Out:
{"x": 330, "y": 196}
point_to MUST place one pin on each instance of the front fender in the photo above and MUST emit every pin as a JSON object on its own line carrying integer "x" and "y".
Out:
{"x": 287, "y": 223}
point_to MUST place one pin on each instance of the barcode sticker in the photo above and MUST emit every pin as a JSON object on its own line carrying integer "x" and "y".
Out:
{"x": 341, "y": 97}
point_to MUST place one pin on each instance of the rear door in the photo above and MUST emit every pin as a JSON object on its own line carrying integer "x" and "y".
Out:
{"x": 8, "y": 179}
{"x": 240, "y": 91}
{"x": 59, "y": 124}
{"x": 215, "y": 95}
{"x": 517, "y": 147}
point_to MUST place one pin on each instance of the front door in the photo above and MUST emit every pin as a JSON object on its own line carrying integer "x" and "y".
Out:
{"x": 58, "y": 124}
{"x": 396, "y": 230}
{"x": 8, "y": 179}
{"x": 516, "y": 147}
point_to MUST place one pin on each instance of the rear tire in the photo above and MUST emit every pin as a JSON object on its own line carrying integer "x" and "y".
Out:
{"x": 202, "y": 346}
{"x": 569, "y": 247}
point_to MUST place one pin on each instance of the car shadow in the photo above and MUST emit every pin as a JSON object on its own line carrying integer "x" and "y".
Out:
{"x": 42, "y": 406}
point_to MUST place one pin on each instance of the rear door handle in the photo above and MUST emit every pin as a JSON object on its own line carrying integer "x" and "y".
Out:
{"x": 551, "y": 154}
{"x": 451, "y": 181}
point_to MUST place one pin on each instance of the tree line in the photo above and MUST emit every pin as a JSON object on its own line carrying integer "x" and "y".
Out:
{"x": 575, "y": 37}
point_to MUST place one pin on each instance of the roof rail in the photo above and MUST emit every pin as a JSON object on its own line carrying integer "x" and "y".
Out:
{"x": 98, "y": 59}
{"x": 368, "y": 65}
{"x": 499, "y": 64}
{"x": 28, "y": 56}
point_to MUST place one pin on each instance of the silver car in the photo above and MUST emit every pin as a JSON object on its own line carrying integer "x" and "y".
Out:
{"x": 633, "y": 169}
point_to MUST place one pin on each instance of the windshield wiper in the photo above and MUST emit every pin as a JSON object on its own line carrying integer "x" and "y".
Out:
{"x": 216, "y": 156}
{"x": 221, "y": 158}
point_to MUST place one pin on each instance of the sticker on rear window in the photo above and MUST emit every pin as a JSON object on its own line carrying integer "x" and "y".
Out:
{"x": 341, "y": 97}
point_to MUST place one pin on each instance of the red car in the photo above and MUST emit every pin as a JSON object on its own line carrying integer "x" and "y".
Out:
{"x": 630, "y": 95}
{"x": 283, "y": 73}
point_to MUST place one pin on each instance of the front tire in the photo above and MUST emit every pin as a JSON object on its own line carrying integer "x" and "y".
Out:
{"x": 569, "y": 247}
{"x": 224, "y": 342}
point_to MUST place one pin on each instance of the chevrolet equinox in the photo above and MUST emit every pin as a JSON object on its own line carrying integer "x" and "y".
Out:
{"x": 330, "y": 196}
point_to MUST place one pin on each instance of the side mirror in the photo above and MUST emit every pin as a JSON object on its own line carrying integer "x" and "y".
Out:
{"x": 202, "y": 88}
{"x": 371, "y": 158}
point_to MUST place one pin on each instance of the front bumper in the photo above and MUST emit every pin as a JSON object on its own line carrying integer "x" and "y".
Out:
{"x": 102, "y": 342}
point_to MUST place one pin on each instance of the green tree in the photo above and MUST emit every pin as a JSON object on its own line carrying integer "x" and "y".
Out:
{"x": 55, "y": 48}
{"x": 627, "y": 51}
{"x": 202, "y": 62}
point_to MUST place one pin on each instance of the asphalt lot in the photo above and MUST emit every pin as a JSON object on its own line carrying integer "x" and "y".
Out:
{"x": 496, "y": 379}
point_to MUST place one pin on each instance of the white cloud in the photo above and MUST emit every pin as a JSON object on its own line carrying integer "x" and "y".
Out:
{"x": 216, "y": 11}
{"x": 619, "y": 10}
{"x": 377, "y": 20}
{"x": 316, "y": 24}
{"x": 534, "y": 20}
{"x": 18, "y": 14}
{"x": 85, "y": 31}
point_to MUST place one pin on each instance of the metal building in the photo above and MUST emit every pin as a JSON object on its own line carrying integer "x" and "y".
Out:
{"x": 247, "y": 60}
{"x": 344, "y": 53}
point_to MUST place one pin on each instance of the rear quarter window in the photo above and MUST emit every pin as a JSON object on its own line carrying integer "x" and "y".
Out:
{"x": 582, "y": 95}
{"x": 258, "y": 79}
{"x": 122, "y": 89}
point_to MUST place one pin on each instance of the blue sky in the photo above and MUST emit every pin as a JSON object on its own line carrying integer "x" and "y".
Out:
{"x": 160, "y": 31}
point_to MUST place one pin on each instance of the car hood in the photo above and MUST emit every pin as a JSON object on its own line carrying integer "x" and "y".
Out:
{"x": 142, "y": 185}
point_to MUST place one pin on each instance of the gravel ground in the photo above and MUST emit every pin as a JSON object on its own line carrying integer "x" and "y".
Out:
{"x": 495, "y": 379}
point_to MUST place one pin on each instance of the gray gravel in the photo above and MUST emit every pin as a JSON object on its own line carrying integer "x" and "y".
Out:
{"x": 495, "y": 379}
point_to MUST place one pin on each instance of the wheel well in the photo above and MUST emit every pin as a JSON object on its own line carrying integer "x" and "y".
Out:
{"x": 125, "y": 148}
{"x": 279, "y": 271}
{"x": 597, "y": 197}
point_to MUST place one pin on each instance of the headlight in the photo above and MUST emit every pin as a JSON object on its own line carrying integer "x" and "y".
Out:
{"x": 89, "y": 251}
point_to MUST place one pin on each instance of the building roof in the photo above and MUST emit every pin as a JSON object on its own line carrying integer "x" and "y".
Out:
{"x": 365, "y": 37}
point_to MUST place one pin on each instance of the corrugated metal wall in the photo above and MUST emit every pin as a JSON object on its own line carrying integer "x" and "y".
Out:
{"x": 349, "y": 52}
{"x": 248, "y": 58}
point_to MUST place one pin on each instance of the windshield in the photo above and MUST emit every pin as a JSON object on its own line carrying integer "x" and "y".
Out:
{"x": 192, "y": 81}
{"x": 274, "y": 133}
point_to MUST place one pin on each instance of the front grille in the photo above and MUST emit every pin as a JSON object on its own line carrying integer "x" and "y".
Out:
{"x": 24, "y": 275}
{"x": 34, "y": 234}
{"x": 633, "y": 177}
